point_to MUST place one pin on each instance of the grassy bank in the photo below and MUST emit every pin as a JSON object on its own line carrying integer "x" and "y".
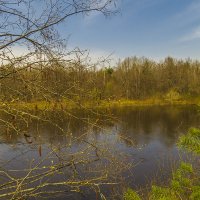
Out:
{"x": 69, "y": 105}
{"x": 149, "y": 102}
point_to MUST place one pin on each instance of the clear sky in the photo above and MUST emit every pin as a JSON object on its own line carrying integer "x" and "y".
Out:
{"x": 150, "y": 28}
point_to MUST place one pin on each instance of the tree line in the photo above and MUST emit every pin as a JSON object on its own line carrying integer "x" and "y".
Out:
{"x": 132, "y": 78}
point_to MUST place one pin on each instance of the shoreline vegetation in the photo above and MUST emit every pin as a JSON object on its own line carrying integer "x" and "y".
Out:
{"x": 103, "y": 104}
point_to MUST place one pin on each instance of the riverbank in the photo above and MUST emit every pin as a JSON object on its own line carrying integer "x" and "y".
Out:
{"x": 149, "y": 102}
{"x": 103, "y": 104}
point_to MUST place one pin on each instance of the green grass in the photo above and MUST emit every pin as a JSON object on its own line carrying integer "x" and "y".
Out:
{"x": 191, "y": 141}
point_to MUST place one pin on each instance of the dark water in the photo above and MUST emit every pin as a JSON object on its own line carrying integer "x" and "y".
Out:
{"x": 135, "y": 147}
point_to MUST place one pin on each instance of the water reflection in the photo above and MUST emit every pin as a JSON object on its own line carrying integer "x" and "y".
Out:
{"x": 145, "y": 137}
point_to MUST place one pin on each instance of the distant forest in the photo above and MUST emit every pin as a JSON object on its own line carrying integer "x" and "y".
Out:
{"x": 132, "y": 78}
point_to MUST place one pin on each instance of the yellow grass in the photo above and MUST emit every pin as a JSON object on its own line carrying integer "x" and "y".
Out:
{"x": 68, "y": 105}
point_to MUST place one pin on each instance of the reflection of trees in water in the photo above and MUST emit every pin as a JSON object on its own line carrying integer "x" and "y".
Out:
{"x": 163, "y": 122}
{"x": 54, "y": 126}
{"x": 85, "y": 148}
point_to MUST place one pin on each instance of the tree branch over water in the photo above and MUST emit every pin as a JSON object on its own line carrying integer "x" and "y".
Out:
{"x": 32, "y": 26}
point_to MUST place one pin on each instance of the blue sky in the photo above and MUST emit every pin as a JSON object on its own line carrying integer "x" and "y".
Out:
{"x": 150, "y": 28}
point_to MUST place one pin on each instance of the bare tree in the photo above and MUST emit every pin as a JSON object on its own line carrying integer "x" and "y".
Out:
{"x": 25, "y": 21}
{"x": 32, "y": 26}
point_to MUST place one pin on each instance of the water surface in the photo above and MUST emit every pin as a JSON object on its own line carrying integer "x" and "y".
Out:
{"x": 135, "y": 148}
